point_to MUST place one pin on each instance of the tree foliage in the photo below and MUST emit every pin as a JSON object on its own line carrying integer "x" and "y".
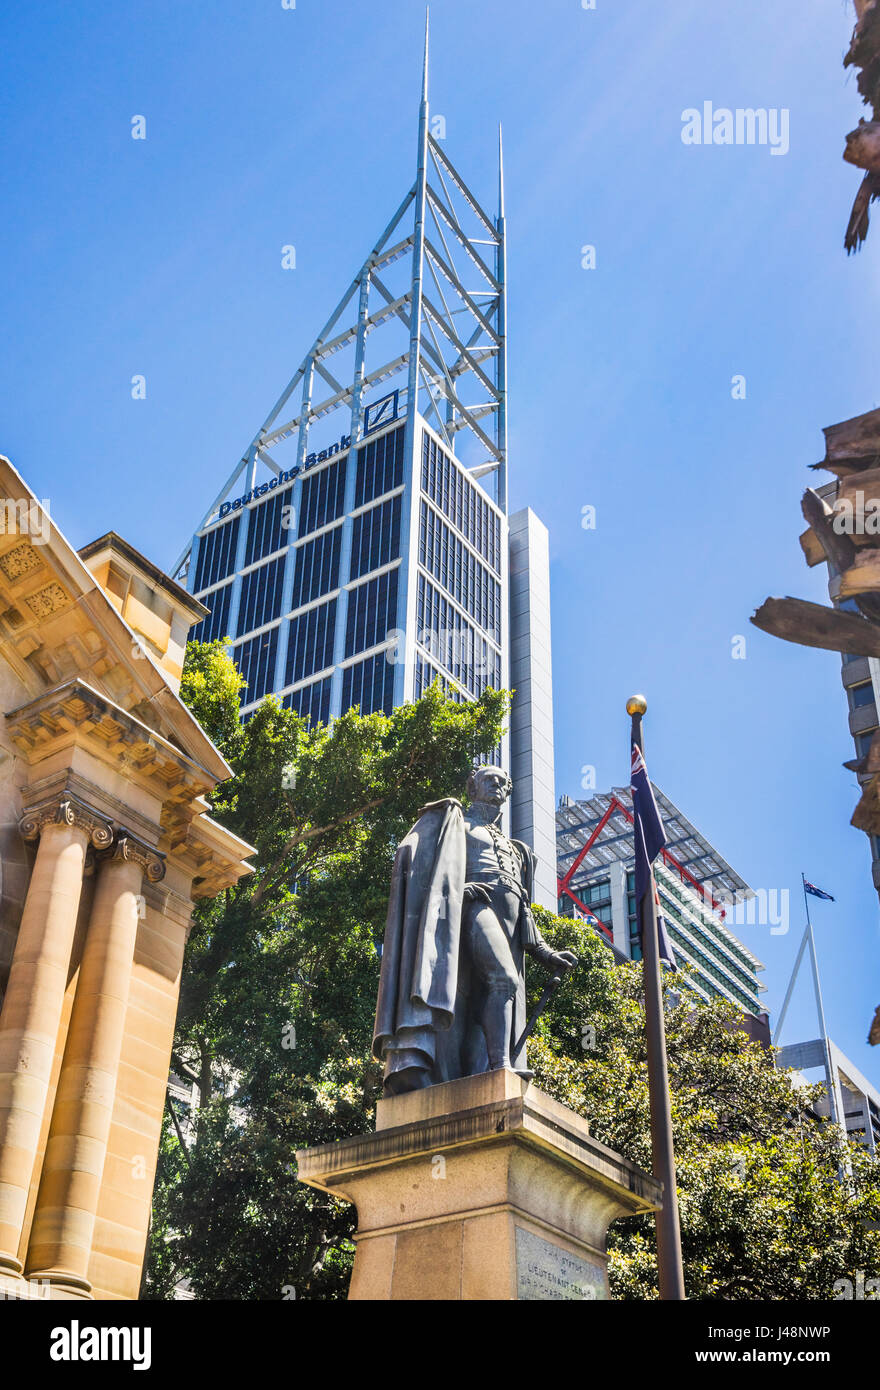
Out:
{"x": 280, "y": 978}
{"x": 276, "y": 1017}
{"x": 774, "y": 1202}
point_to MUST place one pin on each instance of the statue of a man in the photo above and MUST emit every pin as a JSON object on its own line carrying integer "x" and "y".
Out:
{"x": 452, "y": 986}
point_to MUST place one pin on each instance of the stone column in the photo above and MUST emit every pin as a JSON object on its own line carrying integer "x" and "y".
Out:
{"x": 64, "y": 1219}
{"x": 35, "y": 996}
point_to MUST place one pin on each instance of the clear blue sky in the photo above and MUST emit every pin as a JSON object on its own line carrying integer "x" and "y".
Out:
{"x": 268, "y": 126}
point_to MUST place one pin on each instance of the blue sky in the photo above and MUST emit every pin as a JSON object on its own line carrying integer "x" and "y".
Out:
{"x": 268, "y": 126}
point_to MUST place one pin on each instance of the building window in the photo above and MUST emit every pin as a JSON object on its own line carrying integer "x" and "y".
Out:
{"x": 459, "y": 571}
{"x": 379, "y": 467}
{"x": 215, "y": 625}
{"x": 426, "y": 674}
{"x": 310, "y": 642}
{"x": 256, "y": 662}
{"x": 260, "y": 600}
{"x": 268, "y": 527}
{"x": 375, "y": 537}
{"x": 322, "y": 499}
{"x": 632, "y": 916}
{"x": 216, "y": 555}
{"x": 861, "y": 695}
{"x": 461, "y": 501}
{"x": 863, "y": 742}
{"x": 372, "y": 613}
{"x": 317, "y": 567}
{"x": 369, "y": 684}
{"x": 455, "y": 643}
{"x": 311, "y": 702}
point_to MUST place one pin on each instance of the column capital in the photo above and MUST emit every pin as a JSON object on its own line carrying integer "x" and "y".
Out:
{"x": 67, "y": 810}
{"x": 132, "y": 850}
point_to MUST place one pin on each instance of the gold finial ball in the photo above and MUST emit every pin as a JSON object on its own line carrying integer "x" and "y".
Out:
{"x": 636, "y": 704}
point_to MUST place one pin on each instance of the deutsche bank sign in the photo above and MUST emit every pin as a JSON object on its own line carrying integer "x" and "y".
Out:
{"x": 287, "y": 476}
{"x": 377, "y": 414}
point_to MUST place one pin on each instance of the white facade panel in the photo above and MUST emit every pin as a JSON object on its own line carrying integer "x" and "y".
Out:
{"x": 531, "y": 722}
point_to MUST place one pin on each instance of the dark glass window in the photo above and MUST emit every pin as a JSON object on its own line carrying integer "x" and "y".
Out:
{"x": 215, "y": 625}
{"x": 426, "y": 674}
{"x": 256, "y": 662}
{"x": 311, "y": 702}
{"x": 317, "y": 567}
{"x": 372, "y": 613}
{"x": 216, "y": 555}
{"x": 459, "y": 571}
{"x": 863, "y": 742}
{"x": 260, "y": 600}
{"x": 375, "y": 537}
{"x": 310, "y": 642}
{"x": 322, "y": 499}
{"x": 379, "y": 467}
{"x": 461, "y": 501}
{"x": 268, "y": 526}
{"x": 369, "y": 684}
{"x": 455, "y": 643}
{"x": 861, "y": 695}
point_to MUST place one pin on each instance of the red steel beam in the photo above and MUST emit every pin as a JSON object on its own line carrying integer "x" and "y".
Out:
{"x": 668, "y": 858}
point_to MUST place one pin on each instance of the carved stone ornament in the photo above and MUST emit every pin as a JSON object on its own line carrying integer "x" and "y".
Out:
{"x": 136, "y": 851}
{"x": 67, "y": 810}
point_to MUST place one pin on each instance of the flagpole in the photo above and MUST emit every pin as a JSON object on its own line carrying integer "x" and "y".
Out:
{"x": 669, "y": 1264}
{"x": 820, "y": 1010}
{"x": 791, "y": 983}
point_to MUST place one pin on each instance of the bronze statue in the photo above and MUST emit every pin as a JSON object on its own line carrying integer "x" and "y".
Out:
{"x": 452, "y": 985}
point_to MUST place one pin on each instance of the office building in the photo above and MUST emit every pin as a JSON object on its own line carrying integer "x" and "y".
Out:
{"x": 362, "y": 548}
{"x": 697, "y": 890}
{"x": 856, "y": 1100}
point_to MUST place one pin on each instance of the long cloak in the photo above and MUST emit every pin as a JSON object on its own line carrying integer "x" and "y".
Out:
{"x": 418, "y": 982}
{"x": 424, "y": 1011}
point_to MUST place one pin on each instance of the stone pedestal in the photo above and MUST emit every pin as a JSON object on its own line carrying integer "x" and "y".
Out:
{"x": 483, "y": 1188}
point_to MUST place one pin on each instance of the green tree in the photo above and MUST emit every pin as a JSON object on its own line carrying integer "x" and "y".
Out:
{"x": 280, "y": 978}
{"x": 276, "y": 1019}
{"x": 774, "y": 1203}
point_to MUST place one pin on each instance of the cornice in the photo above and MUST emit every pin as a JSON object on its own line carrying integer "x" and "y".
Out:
{"x": 76, "y": 713}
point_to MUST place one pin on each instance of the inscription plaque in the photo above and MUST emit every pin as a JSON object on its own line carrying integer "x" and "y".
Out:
{"x": 546, "y": 1271}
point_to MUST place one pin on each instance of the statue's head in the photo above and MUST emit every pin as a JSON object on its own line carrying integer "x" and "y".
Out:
{"x": 489, "y": 784}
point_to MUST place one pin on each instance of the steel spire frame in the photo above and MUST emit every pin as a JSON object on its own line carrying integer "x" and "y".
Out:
{"x": 455, "y": 358}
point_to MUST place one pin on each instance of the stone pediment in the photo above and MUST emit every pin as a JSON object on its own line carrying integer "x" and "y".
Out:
{"x": 57, "y": 624}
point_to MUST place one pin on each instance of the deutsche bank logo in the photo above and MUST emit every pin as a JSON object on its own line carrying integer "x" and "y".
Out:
{"x": 381, "y": 412}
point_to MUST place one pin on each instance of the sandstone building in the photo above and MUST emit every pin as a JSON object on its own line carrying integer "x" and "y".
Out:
{"x": 105, "y": 842}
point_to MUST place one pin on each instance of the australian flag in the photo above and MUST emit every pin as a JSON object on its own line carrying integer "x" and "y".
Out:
{"x": 650, "y": 837}
{"x": 589, "y": 917}
{"x": 817, "y": 892}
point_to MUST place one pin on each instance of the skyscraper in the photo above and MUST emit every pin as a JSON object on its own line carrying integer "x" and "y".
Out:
{"x": 361, "y": 547}
{"x": 596, "y": 857}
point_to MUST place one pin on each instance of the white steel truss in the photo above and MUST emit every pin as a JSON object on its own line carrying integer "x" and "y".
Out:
{"x": 435, "y": 339}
